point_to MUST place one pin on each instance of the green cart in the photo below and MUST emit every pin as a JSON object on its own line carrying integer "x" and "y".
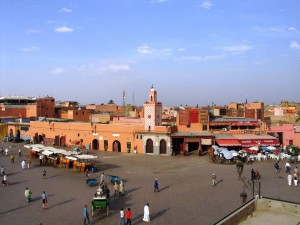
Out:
{"x": 101, "y": 203}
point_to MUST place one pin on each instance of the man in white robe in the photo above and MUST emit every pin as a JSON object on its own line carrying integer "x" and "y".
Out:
{"x": 146, "y": 213}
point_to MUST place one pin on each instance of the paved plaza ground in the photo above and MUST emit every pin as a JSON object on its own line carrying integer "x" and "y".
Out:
{"x": 186, "y": 196}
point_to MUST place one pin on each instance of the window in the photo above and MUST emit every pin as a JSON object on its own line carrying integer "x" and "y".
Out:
{"x": 149, "y": 116}
{"x": 204, "y": 127}
{"x": 141, "y": 137}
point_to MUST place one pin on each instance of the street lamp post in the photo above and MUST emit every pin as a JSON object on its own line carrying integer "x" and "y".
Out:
{"x": 252, "y": 184}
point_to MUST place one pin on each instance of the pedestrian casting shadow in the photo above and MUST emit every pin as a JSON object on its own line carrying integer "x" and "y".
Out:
{"x": 219, "y": 181}
{"x": 131, "y": 190}
{"x": 17, "y": 182}
{"x": 11, "y": 210}
{"x": 138, "y": 219}
{"x": 103, "y": 167}
{"x": 57, "y": 175}
{"x": 11, "y": 174}
{"x": 165, "y": 187}
{"x": 158, "y": 214}
{"x": 62, "y": 203}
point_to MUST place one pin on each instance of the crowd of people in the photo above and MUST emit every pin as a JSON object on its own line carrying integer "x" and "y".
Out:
{"x": 5, "y": 182}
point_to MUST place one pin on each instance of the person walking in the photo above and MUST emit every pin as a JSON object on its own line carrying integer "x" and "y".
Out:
{"x": 6, "y": 151}
{"x": 44, "y": 200}
{"x": 87, "y": 173}
{"x": 121, "y": 187}
{"x": 102, "y": 177}
{"x": 156, "y": 185}
{"x": 2, "y": 171}
{"x": 277, "y": 168}
{"x": 12, "y": 158}
{"x": 287, "y": 167}
{"x": 28, "y": 194}
{"x": 214, "y": 179}
{"x": 41, "y": 159}
{"x": 290, "y": 178}
{"x": 44, "y": 173}
{"x": 128, "y": 216}
{"x": 19, "y": 152}
{"x": 296, "y": 171}
{"x": 146, "y": 217}
{"x": 23, "y": 164}
{"x": 116, "y": 187}
{"x": 296, "y": 179}
{"x": 28, "y": 164}
{"x": 122, "y": 217}
{"x": 86, "y": 217}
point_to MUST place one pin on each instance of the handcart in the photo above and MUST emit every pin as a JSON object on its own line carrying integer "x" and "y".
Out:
{"x": 101, "y": 203}
{"x": 114, "y": 179}
{"x": 91, "y": 182}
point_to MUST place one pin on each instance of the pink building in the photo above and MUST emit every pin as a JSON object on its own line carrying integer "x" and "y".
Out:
{"x": 285, "y": 133}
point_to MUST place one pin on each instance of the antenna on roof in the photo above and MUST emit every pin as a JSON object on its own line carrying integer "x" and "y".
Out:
{"x": 133, "y": 98}
{"x": 123, "y": 98}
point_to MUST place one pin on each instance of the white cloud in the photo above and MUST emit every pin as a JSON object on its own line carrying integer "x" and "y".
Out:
{"x": 206, "y": 5}
{"x": 116, "y": 67}
{"x": 158, "y": 1}
{"x": 66, "y": 10}
{"x": 181, "y": 49}
{"x": 145, "y": 49}
{"x": 293, "y": 29}
{"x": 63, "y": 29}
{"x": 30, "y": 49}
{"x": 32, "y": 31}
{"x": 59, "y": 70}
{"x": 94, "y": 68}
{"x": 295, "y": 45}
{"x": 237, "y": 48}
{"x": 201, "y": 58}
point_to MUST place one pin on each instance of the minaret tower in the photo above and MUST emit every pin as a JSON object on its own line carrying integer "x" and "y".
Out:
{"x": 152, "y": 111}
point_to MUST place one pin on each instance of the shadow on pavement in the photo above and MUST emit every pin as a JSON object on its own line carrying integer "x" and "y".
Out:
{"x": 17, "y": 182}
{"x": 220, "y": 181}
{"x": 61, "y": 203}
{"x": 158, "y": 214}
{"x": 165, "y": 187}
{"x": 11, "y": 210}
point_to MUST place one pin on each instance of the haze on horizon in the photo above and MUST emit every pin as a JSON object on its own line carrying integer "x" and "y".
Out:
{"x": 193, "y": 52}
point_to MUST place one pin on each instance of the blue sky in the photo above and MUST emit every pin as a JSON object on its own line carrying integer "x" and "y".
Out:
{"x": 193, "y": 52}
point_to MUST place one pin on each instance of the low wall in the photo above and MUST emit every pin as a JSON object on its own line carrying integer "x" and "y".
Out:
{"x": 278, "y": 206}
{"x": 239, "y": 215}
{"x": 262, "y": 204}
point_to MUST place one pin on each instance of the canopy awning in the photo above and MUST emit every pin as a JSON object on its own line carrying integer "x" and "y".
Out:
{"x": 47, "y": 153}
{"x": 86, "y": 156}
{"x": 61, "y": 151}
{"x": 259, "y": 142}
{"x": 228, "y": 142}
{"x": 76, "y": 142}
{"x": 71, "y": 158}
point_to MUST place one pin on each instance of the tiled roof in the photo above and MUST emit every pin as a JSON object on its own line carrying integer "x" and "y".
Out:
{"x": 252, "y": 136}
{"x": 191, "y": 134}
{"x": 231, "y": 119}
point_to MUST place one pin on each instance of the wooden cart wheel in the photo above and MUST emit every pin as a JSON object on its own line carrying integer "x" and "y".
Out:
{"x": 107, "y": 210}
